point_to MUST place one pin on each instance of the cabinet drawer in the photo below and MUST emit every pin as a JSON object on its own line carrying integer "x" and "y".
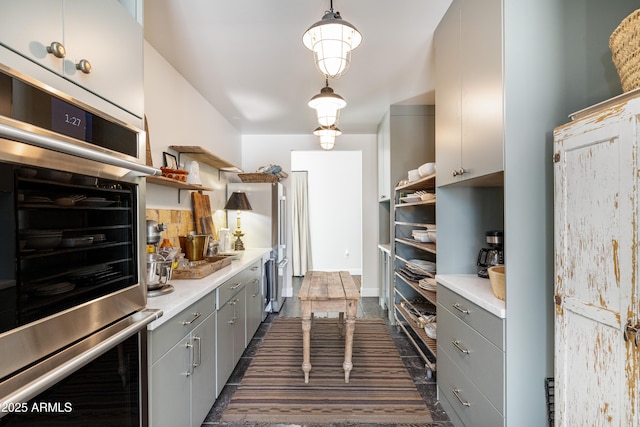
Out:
{"x": 231, "y": 287}
{"x": 470, "y": 405}
{"x": 170, "y": 332}
{"x": 480, "y": 360}
{"x": 488, "y": 325}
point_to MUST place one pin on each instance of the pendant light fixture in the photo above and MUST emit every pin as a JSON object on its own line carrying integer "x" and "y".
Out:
{"x": 327, "y": 136}
{"x": 331, "y": 40}
{"x": 327, "y": 105}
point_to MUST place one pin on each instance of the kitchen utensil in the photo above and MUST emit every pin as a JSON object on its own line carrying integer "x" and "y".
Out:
{"x": 201, "y": 209}
{"x": 194, "y": 246}
{"x": 413, "y": 175}
{"x": 427, "y": 169}
{"x": 154, "y": 232}
{"x": 497, "y": 280}
{"x": 493, "y": 255}
{"x": 158, "y": 272}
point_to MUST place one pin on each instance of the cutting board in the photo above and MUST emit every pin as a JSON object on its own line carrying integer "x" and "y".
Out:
{"x": 202, "y": 213}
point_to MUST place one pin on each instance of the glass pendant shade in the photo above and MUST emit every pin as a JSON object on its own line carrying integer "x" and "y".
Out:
{"x": 327, "y": 105}
{"x": 327, "y": 136}
{"x": 331, "y": 40}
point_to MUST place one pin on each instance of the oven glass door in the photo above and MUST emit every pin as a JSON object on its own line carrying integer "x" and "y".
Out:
{"x": 105, "y": 392}
{"x": 66, "y": 239}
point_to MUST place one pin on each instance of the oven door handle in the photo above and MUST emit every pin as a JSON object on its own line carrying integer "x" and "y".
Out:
{"x": 50, "y": 143}
{"x": 30, "y": 383}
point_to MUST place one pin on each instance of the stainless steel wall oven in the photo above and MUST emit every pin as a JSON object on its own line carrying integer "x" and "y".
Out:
{"x": 72, "y": 225}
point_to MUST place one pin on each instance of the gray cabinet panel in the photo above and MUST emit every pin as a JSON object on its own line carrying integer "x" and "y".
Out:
{"x": 468, "y": 402}
{"x": 164, "y": 337}
{"x": 488, "y": 325}
{"x": 203, "y": 382}
{"x": 170, "y": 388}
{"x": 480, "y": 360}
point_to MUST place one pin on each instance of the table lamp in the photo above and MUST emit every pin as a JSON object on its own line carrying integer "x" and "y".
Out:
{"x": 238, "y": 201}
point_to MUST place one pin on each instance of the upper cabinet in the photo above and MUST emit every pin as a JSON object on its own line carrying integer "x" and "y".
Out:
{"x": 95, "y": 44}
{"x": 406, "y": 136}
{"x": 469, "y": 124}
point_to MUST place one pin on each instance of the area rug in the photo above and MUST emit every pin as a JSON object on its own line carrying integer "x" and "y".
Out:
{"x": 380, "y": 390}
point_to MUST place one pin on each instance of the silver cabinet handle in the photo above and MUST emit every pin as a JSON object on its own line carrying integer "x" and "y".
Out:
{"x": 84, "y": 66}
{"x": 255, "y": 267}
{"x": 196, "y": 315}
{"x": 57, "y": 50}
{"x": 199, "y": 341}
{"x": 460, "y": 308}
{"x": 456, "y": 344}
{"x": 456, "y": 393}
{"x": 255, "y": 295}
{"x": 189, "y": 347}
{"x": 236, "y": 286}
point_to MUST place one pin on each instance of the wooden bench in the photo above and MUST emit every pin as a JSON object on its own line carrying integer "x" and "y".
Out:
{"x": 323, "y": 291}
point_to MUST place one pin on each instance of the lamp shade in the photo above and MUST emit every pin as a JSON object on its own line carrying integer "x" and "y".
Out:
{"x": 331, "y": 40}
{"x": 327, "y": 105}
{"x": 327, "y": 136}
{"x": 238, "y": 202}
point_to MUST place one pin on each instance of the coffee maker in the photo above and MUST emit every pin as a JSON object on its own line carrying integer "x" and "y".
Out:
{"x": 158, "y": 266}
{"x": 493, "y": 255}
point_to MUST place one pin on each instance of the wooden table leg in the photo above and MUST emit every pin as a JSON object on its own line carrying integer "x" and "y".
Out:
{"x": 341, "y": 323}
{"x": 348, "y": 341}
{"x": 306, "y": 341}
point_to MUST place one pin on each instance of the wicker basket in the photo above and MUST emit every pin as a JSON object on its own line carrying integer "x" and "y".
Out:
{"x": 496, "y": 277}
{"x": 625, "y": 51}
{"x": 257, "y": 177}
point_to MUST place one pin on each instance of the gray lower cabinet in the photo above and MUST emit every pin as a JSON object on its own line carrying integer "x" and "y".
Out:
{"x": 255, "y": 302}
{"x": 471, "y": 361}
{"x": 192, "y": 355}
{"x": 232, "y": 321}
{"x": 183, "y": 366}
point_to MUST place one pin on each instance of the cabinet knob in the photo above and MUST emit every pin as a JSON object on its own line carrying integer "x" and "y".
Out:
{"x": 84, "y": 66}
{"x": 57, "y": 50}
{"x": 460, "y": 172}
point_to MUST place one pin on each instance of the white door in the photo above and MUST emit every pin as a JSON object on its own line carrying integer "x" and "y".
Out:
{"x": 596, "y": 370}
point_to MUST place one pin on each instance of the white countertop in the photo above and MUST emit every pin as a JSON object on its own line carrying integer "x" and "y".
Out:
{"x": 475, "y": 289}
{"x": 186, "y": 292}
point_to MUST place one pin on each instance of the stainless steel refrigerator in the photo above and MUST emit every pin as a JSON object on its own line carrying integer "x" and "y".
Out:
{"x": 265, "y": 227}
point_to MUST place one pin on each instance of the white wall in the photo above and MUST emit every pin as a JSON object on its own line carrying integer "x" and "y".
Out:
{"x": 178, "y": 115}
{"x": 258, "y": 150}
{"x": 335, "y": 207}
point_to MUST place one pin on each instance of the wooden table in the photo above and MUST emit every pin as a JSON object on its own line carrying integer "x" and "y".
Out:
{"x": 323, "y": 291}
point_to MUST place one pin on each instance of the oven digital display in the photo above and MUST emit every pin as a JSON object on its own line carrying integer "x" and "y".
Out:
{"x": 70, "y": 120}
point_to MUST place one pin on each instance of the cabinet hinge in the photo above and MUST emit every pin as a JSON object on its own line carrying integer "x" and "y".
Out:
{"x": 556, "y": 157}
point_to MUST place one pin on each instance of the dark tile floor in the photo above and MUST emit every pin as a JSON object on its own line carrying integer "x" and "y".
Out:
{"x": 367, "y": 308}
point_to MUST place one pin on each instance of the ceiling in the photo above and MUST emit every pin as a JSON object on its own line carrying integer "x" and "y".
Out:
{"x": 247, "y": 59}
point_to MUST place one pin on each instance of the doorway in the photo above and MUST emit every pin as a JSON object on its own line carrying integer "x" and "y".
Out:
{"x": 334, "y": 207}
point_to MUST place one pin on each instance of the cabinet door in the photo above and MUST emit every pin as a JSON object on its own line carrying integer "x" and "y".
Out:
{"x": 103, "y": 33}
{"x": 481, "y": 86}
{"x": 254, "y": 308}
{"x": 30, "y": 26}
{"x": 203, "y": 382}
{"x": 596, "y": 246}
{"x": 170, "y": 387}
{"x": 448, "y": 70}
{"x": 384, "y": 159}
{"x": 225, "y": 332}
{"x": 240, "y": 325}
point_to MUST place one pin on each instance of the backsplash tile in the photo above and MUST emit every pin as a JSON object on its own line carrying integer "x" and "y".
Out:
{"x": 178, "y": 222}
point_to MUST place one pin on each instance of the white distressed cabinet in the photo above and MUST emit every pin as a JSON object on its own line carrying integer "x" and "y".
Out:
{"x": 596, "y": 266}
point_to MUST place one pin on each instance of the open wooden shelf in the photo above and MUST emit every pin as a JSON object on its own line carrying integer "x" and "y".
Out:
{"x": 206, "y": 157}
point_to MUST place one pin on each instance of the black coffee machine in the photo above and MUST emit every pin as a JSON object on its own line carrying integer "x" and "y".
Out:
{"x": 493, "y": 255}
